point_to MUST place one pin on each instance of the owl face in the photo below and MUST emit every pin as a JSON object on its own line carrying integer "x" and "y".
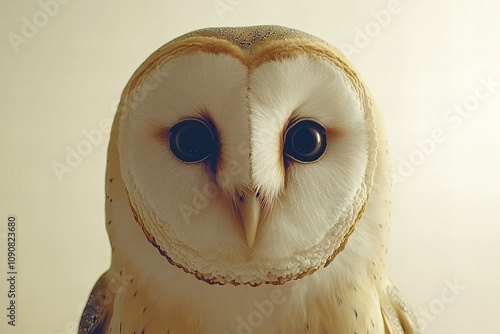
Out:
{"x": 246, "y": 163}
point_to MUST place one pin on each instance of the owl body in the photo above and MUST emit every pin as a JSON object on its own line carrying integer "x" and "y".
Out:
{"x": 248, "y": 191}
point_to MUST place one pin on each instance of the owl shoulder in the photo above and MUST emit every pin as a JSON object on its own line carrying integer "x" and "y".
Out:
{"x": 398, "y": 316}
{"x": 99, "y": 308}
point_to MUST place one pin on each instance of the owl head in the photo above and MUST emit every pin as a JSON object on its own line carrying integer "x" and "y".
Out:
{"x": 247, "y": 154}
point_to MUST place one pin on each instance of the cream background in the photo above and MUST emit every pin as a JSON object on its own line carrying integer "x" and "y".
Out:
{"x": 429, "y": 57}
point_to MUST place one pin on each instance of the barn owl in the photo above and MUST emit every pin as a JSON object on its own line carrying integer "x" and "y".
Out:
{"x": 247, "y": 191}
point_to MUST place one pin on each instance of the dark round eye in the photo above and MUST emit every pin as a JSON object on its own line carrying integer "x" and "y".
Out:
{"x": 305, "y": 141}
{"x": 192, "y": 140}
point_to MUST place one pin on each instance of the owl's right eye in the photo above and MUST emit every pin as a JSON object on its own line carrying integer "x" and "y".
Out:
{"x": 193, "y": 140}
{"x": 305, "y": 141}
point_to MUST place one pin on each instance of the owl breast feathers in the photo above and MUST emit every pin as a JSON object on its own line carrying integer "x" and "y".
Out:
{"x": 248, "y": 190}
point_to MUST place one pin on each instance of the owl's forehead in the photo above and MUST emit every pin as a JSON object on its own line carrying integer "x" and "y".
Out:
{"x": 249, "y": 38}
{"x": 252, "y": 46}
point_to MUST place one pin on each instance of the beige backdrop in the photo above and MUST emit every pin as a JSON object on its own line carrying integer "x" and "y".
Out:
{"x": 433, "y": 67}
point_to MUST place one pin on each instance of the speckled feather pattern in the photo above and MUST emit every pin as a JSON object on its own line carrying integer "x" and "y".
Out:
{"x": 248, "y": 37}
{"x": 143, "y": 293}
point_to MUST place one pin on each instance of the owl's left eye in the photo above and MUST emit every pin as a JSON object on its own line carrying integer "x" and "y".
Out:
{"x": 193, "y": 140}
{"x": 305, "y": 141}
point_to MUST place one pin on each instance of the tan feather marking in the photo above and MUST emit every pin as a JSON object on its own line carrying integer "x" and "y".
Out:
{"x": 344, "y": 241}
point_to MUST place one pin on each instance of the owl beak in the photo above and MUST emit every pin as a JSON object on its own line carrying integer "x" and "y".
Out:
{"x": 250, "y": 210}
